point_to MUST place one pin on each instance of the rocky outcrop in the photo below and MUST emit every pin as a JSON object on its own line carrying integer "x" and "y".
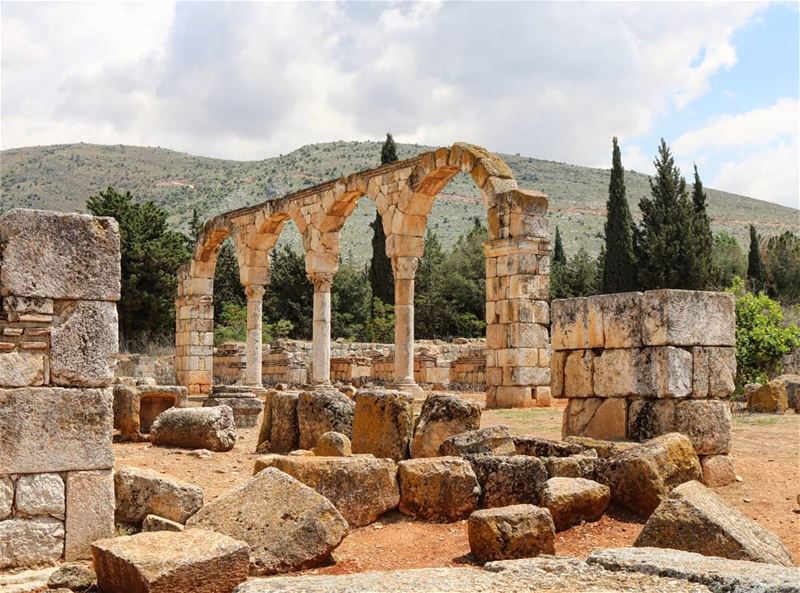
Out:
{"x": 442, "y": 416}
{"x": 516, "y": 531}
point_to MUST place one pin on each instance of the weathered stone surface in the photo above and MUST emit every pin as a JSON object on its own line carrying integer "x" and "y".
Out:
{"x": 720, "y": 575}
{"x": 572, "y": 501}
{"x": 617, "y": 373}
{"x": 195, "y": 428}
{"x": 693, "y": 518}
{"x": 539, "y": 447}
{"x": 6, "y": 496}
{"x": 60, "y": 256}
{"x": 578, "y": 374}
{"x": 44, "y": 429}
{"x": 707, "y": 423}
{"x": 383, "y": 424}
{"x": 770, "y": 397}
{"x": 361, "y": 488}
{"x": 90, "y": 511}
{"x": 544, "y": 574}
{"x": 516, "y": 531}
{"x": 575, "y": 466}
{"x": 20, "y": 369}
{"x": 30, "y": 542}
{"x": 156, "y": 523}
{"x": 285, "y": 433}
{"x": 508, "y": 480}
{"x": 687, "y": 318}
{"x": 438, "y": 489}
{"x": 664, "y": 372}
{"x": 287, "y": 525}
{"x": 442, "y": 416}
{"x": 265, "y": 431}
{"x": 83, "y": 343}
{"x": 604, "y": 449}
{"x": 575, "y": 324}
{"x": 319, "y": 412}
{"x": 595, "y": 417}
{"x": 641, "y": 477}
{"x": 718, "y": 470}
{"x": 621, "y": 319}
{"x": 75, "y": 577}
{"x": 721, "y": 371}
{"x": 40, "y": 494}
{"x": 168, "y": 562}
{"x": 792, "y": 384}
{"x": 333, "y": 444}
{"x": 495, "y": 440}
{"x": 245, "y": 409}
{"x": 142, "y": 492}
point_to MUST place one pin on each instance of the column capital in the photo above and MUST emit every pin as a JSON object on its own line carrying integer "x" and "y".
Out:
{"x": 405, "y": 266}
{"x": 254, "y": 292}
{"x": 322, "y": 281}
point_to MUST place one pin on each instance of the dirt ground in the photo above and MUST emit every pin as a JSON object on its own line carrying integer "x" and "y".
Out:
{"x": 766, "y": 451}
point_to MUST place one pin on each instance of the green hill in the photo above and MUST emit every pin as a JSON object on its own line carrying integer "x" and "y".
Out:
{"x": 61, "y": 177}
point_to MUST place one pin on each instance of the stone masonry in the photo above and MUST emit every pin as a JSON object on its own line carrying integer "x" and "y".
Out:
{"x": 59, "y": 283}
{"x": 638, "y": 365}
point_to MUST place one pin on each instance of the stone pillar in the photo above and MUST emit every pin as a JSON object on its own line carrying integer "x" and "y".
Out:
{"x": 404, "y": 268}
{"x": 194, "y": 342}
{"x": 255, "y": 296}
{"x": 321, "y": 339}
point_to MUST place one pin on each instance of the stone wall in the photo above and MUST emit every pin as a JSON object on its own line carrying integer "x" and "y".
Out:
{"x": 59, "y": 283}
{"x": 637, "y": 365}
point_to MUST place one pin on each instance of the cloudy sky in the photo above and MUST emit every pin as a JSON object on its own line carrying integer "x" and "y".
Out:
{"x": 550, "y": 80}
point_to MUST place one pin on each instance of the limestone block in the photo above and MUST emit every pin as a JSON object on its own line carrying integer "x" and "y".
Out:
{"x": 20, "y": 369}
{"x": 383, "y": 423}
{"x": 442, "y": 416}
{"x": 575, "y": 466}
{"x": 287, "y": 525}
{"x": 333, "y": 444}
{"x": 771, "y": 397}
{"x": 195, "y": 428}
{"x": 83, "y": 343}
{"x": 39, "y": 495}
{"x": 495, "y": 440}
{"x": 557, "y": 362}
{"x": 141, "y": 492}
{"x": 707, "y": 423}
{"x": 575, "y": 324}
{"x": 699, "y": 372}
{"x": 665, "y": 372}
{"x": 541, "y": 447}
{"x": 44, "y": 429}
{"x": 617, "y": 373}
{"x": 688, "y": 318}
{"x": 27, "y": 305}
{"x": 156, "y": 523}
{"x": 527, "y": 335}
{"x": 572, "y": 501}
{"x": 718, "y": 470}
{"x": 319, "y": 412}
{"x": 603, "y": 449}
{"x": 596, "y": 418}
{"x": 30, "y": 542}
{"x": 73, "y": 577}
{"x": 285, "y": 434}
{"x": 438, "y": 489}
{"x": 60, "y": 256}
{"x": 621, "y": 319}
{"x": 193, "y": 560}
{"x": 513, "y": 396}
{"x": 517, "y": 531}
{"x": 90, "y": 511}
{"x": 6, "y": 496}
{"x": 578, "y": 374}
{"x": 721, "y": 371}
{"x": 507, "y": 480}
{"x": 245, "y": 409}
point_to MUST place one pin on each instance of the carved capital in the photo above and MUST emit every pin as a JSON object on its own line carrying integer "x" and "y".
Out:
{"x": 254, "y": 292}
{"x": 322, "y": 281}
{"x": 405, "y": 267}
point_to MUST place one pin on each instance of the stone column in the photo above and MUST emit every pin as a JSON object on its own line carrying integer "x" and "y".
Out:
{"x": 321, "y": 339}
{"x": 255, "y": 296}
{"x": 404, "y": 268}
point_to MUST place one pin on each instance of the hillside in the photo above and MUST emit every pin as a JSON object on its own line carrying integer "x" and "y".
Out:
{"x": 61, "y": 177}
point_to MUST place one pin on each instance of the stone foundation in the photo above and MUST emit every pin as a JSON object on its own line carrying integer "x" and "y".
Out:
{"x": 59, "y": 283}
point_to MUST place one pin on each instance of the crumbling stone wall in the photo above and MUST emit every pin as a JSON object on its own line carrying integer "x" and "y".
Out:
{"x": 59, "y": 283}
{"x": 638, "y": 365}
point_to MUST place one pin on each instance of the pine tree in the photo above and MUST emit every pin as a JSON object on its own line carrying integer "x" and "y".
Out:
{"x": 701, "y": 246}
{"x": 755, "y": 269}
{"x": 558, "y": 250}
{"x": 381, "y": 278}
{"x": 619, "y": 267}
{"x": 662, "y": 240}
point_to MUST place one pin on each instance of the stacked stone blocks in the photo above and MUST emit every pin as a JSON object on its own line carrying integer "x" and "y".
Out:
{"x": 59, "y": 283}
{"x": 638, "y": 365}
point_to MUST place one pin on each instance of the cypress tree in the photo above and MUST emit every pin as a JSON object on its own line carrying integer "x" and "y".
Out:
{"x": 755, "y": 268}
{"x": 559, "y": 258}
{"x": 381, "y": 278}
{"x": 662, "y": 239}
{"x": 701, "y": 246}
{"x": 619, "y": 262}
{"x": 195, "y": 225}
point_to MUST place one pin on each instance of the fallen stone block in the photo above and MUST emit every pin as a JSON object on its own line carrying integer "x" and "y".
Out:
{"x": 287, "y": 525}
{"x": 246, "y": 407}
{"x": 361, "y": 487}
{"x": 572, "y": 501}
{"x": 75, "y": 577}
{"x": 195, "y": 428}
{"x": 156, "y": 523}
{"x": 707, "y": 422}
{"x": 768, "y": 398}
{"x": 604, "y": 449}
{"x": 438, "y": 488}
{"x": 442, "y": 416}
{"x": 333, "y": 444}
{"x": 284, "y": 432}
{"x": 694, "y": 519}
{"x": 170, "y": 562}
{"x": 508, "y": 480}
{"x": 142, "y": 492}
{"x": 718, "y": 470}
{"x": 383, "y": 423}
{"x": 516, "y": 531}
{"x": 539, "y": 447}
{"x": 494, "y": 440}
{"x": 575, "y": 466}
{"x": 319, "y": 412}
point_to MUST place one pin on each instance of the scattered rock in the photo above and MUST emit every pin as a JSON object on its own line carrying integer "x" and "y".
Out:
{"x": 442, "y": 416}
{"x": 572, "y": 501}
{"x": 195, "y": 428}
{"x": 156, "y": 523}
{"x": 438, "y": 489}
{"x": 319, "y": 412}
{"x": 168, "y": 562}
{"x": 288, "y": 525}
{"x": 495, "y": 440}
{"x": 383, "y": 424}
{"x": 201, "y": 453}
{"x": 142, "y": 492}
{"x": 76, "y": 577}
{"x": 333, "y": 444}
{"x": 695, "y": 519}
{"x": 718, "y": 470}
{"x": 516, "y": 531}
{"x": 770, "y": 398}
{"x": 508, "y": 480}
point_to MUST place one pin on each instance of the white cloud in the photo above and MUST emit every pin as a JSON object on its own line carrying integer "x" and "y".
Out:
{"x": 770, "y": 175}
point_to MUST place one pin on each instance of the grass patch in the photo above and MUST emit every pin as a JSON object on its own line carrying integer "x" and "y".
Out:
{"x": 760, "y": 420}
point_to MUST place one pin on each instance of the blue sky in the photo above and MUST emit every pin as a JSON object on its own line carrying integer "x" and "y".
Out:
{"x": 719, "y": 81}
